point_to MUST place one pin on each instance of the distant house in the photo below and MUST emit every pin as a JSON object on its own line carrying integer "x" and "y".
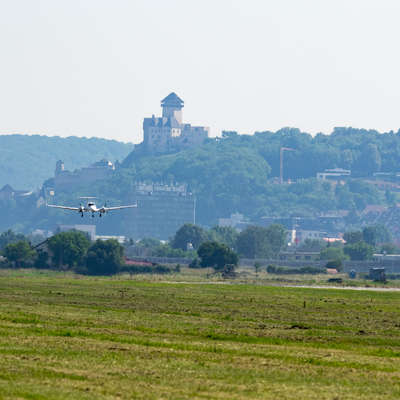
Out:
{"x": 335, "y": 174}
{"x": 8, "y": 193}
{"x": 119, "y": 239}
{"x": 302, "y": 235}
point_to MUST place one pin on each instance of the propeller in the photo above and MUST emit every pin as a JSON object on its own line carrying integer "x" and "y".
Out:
{"x": 103, "y": 208}
{"x": 81, "y": 209}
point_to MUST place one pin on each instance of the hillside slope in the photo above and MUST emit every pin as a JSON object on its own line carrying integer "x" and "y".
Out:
{"x": 238, "y": 173}
{"x": 26, "y": 161}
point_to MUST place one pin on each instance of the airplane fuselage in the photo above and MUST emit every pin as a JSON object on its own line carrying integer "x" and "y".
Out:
{"x": 91, "y": 207}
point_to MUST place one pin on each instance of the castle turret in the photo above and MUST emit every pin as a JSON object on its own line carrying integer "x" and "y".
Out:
{"x": 172, "y": 107}
{"x": 59, "y": 167}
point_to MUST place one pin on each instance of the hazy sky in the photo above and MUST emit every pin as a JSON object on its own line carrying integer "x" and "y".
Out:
{"x": 97, "y": 67}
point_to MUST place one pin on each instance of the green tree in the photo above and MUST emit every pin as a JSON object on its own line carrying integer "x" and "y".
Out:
{"x": 390, "y": 197}
{"x": 312, "y": 245}
{"x": 332, "y": 253}
{"x": 376, "y": 234}
{"x": 165, "y": 250}
{"x": 19, "y": 252}
{"x": 68, "y": 248}
{"x": 253, "y": 242}
{"x": 189, "y": 233}
{"x": 10, "y": 237}
{"x": 337, "y": 264}
{"x": 216, "y": 255}
{"x": 389, "y": 248}
{"x": 104, "y": 257}
{"x": 359, "y": 251}
{"x": 225, "y": 234}
{"x": 42, "y": 259}
{"x": 353, "y": 237}
{"x": 276, "y": 235}
{"x": 370, "y": 160}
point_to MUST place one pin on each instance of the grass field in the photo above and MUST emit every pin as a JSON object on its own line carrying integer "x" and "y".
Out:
{"x": 68, "y": 337}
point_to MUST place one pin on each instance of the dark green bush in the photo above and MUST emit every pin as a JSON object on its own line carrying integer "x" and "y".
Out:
{"x": 195, "y": 263}
{"x": 337, "y": 264}
{"x": 146, "y": 269}
{"x": 272, "y": 269}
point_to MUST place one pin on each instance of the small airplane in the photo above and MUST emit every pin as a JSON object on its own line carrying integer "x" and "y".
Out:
{"x": 91, "y": 207}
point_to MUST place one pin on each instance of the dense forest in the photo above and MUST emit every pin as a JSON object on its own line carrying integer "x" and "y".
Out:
{"x": 362, "y": 151}
{"x": 27, "y": 160}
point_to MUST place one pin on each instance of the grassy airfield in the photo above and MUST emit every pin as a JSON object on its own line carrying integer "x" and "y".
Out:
{"x": 63, "y": 336}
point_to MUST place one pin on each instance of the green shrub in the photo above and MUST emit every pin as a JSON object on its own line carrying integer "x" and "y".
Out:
{"x": 146, "y": 269}
{"x": 272, "y": 269}
{"x": 195, "y": 263}
{"x": 337, "y": 264}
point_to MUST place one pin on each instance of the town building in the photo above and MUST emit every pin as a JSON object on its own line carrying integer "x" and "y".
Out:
{"x": 65, "y": 180}
{"x": 162, "y": 210}
{"x": 334, "y": 174}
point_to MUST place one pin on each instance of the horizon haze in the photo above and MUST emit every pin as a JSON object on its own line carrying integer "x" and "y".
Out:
{"x": 97, "y": 68}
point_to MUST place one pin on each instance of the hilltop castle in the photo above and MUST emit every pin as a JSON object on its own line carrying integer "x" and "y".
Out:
{"x": 168, "y": 133}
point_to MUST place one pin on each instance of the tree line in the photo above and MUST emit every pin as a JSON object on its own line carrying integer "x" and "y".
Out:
{"x": 64, "y": 251}
{"x": 218, "y": 248}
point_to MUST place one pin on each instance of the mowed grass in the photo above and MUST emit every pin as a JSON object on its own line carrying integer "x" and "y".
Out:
{"x": 66, "y": 337}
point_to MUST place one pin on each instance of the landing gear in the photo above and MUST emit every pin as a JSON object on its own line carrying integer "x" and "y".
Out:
{"x": 82, "y": 215}
{"x": 92, "y": 215}
{"x": 101, "y": 215}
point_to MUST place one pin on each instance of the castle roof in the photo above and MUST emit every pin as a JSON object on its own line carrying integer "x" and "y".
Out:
{"x": 172, "y": 100}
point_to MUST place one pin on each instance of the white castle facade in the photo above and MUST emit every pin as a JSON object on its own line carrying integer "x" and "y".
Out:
{"x": 168, "y": 132}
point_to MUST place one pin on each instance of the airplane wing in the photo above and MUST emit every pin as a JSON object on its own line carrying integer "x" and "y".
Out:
{"x": 118, "y": 208}
{"x": 63, "y": 207}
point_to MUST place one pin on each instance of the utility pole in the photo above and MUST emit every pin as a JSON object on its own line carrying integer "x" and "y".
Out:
{"x": 194, "y": 210}
{"x": 281, "y": 162}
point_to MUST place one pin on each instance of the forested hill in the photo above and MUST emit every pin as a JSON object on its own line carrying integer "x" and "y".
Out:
{"x": 362, "y": 151}
{"x": 28, "y": 160}
{"x": 233, "y": 173}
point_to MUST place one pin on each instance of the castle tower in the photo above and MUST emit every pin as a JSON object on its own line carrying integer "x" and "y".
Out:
{"x": 172, "y": 107}
{"x": 59, "y": 167}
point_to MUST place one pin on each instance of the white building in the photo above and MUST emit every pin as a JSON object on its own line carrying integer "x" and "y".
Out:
{"x": 335, "y": 173}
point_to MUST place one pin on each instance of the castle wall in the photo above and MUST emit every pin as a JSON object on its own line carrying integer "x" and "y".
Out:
{"x": 67, "y": 180}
